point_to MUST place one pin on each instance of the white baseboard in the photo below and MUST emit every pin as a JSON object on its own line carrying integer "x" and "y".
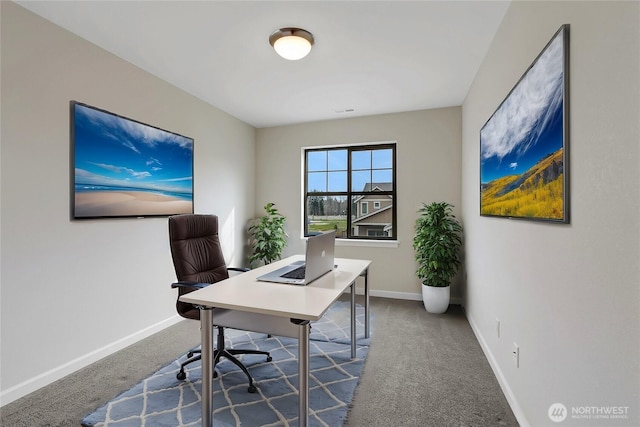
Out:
{"x": 401, "y": 295}
{"x": 504, "y": 385}
{"x": 33, "y": 384}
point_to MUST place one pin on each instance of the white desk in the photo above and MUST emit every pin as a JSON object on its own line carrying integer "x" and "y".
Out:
{"x": 242, "y": 302}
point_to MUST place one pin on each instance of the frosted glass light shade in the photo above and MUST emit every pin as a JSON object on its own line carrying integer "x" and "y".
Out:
{"x": 292, "y": 47}
{"x": 291, "y": 43}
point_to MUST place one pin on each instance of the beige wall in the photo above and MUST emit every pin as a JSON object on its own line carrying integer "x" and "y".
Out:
{"x": 568, "y": 295}
{"x": 428, "y": 162}
{"x": 74, "y": 291}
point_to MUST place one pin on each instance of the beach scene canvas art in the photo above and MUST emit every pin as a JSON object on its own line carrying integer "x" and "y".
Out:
{"x": 523, "y": 146}
{"x": 125, "y": 168}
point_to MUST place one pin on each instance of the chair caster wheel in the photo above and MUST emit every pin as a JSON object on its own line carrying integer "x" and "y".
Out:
{"x": 269, "y": 359}
{"x": 181, "y": 375}
{"x": 252, "y": 389}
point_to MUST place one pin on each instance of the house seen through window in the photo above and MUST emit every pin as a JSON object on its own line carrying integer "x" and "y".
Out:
{"x": 351, "y": 190}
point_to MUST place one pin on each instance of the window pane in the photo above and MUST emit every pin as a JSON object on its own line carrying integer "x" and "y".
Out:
{"x": 337, "y": 181}
{"x": 361, "y": 159}
{"x": 382, "y": 159}
{"x": 316, "y": 160}
{"x": 383, "y": 176}
{"x": 325, "y": 213}
{"x": 316, "y": 181}
{"x": 376, "y": 221}
{"x": 337, "y": 160}
{"x": 359, "y": 179}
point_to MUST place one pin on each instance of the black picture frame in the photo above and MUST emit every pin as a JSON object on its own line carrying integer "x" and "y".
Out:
{"x": 123, "y": 168}
{"x": 524, "y": 145}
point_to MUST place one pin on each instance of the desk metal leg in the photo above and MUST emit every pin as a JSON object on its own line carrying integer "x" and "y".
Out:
{"x": 353, "y": 320}
{"x": 366, "y": 303}
{"x": 206, "y": 332}
{"x": 303, "y": 373}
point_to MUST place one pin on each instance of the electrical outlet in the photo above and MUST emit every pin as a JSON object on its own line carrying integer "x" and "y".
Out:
{"x": 516, "y": 355}
{"x": 498, "y": 327}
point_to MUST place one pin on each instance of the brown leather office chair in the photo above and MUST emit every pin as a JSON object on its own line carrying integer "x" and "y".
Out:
{"x": 199, "y": 262}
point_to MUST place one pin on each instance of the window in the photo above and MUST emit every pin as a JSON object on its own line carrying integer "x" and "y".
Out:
{"x": 351, "y": 190}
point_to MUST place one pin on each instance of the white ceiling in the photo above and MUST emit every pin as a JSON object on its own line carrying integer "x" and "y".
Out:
{"x": 372, "y": 56}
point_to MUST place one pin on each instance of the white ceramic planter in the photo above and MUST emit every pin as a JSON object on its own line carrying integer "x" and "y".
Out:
{"x": 436, "y": 299}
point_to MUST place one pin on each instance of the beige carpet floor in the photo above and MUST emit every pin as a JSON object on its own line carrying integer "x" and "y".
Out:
{"x": 422, "y": 370}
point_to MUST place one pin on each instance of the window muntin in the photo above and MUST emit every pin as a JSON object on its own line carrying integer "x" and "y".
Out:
{"x": 351, "y": 190}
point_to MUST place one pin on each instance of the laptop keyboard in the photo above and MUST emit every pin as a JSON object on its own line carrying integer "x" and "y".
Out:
{"x": 298, "y": 273}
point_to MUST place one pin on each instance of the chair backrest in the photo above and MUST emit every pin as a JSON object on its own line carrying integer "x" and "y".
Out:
{"x": 196, "y": 252}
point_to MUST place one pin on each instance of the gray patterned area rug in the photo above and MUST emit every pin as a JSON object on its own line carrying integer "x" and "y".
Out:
{"x": 162, "y": 400}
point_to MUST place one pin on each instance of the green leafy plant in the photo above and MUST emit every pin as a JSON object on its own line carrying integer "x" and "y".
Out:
{"x": 437, "y": 244}
{"x": 268, "y": 236}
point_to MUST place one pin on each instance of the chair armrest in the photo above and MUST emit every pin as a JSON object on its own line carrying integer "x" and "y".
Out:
{"x": 189, "y": 285}
{"x": 195, "y": 285}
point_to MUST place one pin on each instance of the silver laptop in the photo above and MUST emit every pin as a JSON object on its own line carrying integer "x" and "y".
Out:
{"x": 319, "y": 259}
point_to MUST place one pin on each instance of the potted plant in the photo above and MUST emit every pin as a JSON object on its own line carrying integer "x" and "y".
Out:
{"x": 437, "y": 245}
{"x": 267, "y": 236}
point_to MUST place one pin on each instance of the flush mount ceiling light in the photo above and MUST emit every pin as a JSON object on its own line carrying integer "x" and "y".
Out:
{"x": 292, "y": 43}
